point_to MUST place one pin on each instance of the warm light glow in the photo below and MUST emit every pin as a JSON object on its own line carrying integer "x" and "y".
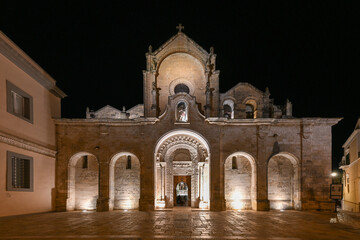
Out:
{"x": 237, "y": 205}
{"x": 160, "y": 204}
{"x": 127, "y": 204}
{"x": 333, "y": 174}
{"x": 203, "y": 205}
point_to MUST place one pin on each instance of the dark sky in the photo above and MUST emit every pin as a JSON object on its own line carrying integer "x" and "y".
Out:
{"x": 305, "y": 51}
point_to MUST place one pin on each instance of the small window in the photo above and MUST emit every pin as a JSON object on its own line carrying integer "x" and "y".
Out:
{"x": 181, "y": 112}
{"x": 234, "y": 163}
{"x": 19, "y": 103}
{"x": 249, "y": 110}
{"x": 347, "y": 158}
{"x": 227, "y": 111}
{"x": 19, "y": 172}
{"x": 85, "y": 162}
{"x": 181, "y": 88}
{"x": 128, "y": 164}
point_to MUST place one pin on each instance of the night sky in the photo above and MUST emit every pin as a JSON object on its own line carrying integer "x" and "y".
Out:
{"x": 307, "y": 52}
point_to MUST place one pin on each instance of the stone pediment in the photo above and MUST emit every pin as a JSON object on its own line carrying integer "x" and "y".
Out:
{"x": 246, "y": 87}
{"x": 107, "y": 112}
{"x": 181, "y": 43}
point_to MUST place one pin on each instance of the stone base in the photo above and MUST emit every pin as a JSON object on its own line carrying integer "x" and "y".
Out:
{"x": 102, "y": 205}
{"x": 146, "y": 204}
{"x": 261, "y": 205}
{"x": 318, "y": 205}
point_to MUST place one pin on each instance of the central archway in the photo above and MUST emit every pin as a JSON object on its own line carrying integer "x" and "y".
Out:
{"x": 182, "y": 153}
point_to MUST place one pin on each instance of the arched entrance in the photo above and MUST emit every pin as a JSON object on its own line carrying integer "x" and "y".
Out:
{"x": 83, "y": 182}
{"x": 284, "y": 182}
{"x": 240, "y": 181}
{"x": 182, "y": 156}
{"x": 124, "y": 181}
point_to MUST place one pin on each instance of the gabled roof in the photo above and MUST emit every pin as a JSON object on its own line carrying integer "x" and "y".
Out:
{"x": 246, "y": 85}
{"x": 184, "y": 37}
{"x": 107, "y": 107}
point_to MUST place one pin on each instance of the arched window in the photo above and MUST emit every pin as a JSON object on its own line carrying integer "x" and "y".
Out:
{"x": 227, "y": 111}
{"x": 128, "y": 164}
{"x": 181, "y": 112}
{"x": 249, "y": 110}
{"x": 181, "y": 88}
{"x": 234, "y": 163}
{"x": 228, "y": 107}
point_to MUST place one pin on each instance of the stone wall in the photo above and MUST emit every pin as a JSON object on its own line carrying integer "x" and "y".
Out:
{"x": 238, "y": 183}
{"x": 127, "y": 184}
{"x": 86, "y": 184}
{"x": 280, "y": 183}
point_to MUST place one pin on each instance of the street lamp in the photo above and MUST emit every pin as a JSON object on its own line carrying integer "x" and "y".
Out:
{"x": 334, "y": 174}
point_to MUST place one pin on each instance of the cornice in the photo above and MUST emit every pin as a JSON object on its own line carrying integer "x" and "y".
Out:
{"x": 26, "y": 145}
{"x": 350, "y": 139}
{"x": 13, "y": 53}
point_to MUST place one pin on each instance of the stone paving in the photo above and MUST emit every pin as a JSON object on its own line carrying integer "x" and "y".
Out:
{"x": 181, "y": 223}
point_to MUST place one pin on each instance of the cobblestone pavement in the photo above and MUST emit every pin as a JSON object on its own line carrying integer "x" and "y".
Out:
{"x": 178, "y": 224}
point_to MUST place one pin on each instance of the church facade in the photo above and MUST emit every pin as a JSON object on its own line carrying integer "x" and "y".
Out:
{"x": 190, "y": 145}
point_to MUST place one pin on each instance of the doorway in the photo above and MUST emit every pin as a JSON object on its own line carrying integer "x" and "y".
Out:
{"x": 182, "y": 191}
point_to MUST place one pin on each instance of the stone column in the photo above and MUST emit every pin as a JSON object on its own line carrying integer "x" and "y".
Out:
{"x": 103, "y": 201}
{"x": 262, "y": 202}
{"x": 61, "y": 183}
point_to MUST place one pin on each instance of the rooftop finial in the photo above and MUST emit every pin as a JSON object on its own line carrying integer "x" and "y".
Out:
{"x": 180, "y": 27}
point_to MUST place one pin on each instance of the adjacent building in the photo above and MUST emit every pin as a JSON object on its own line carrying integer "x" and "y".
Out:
{"x": 29, "y": 100}
{"x": 350, "y": 164}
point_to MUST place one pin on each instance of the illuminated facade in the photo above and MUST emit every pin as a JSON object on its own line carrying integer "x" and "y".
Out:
{"x": 350, "y": 164}
{"x": 29, "y": 100}
{"x": 190, "y": 145}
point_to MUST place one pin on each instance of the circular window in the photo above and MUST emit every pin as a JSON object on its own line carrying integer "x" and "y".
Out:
{"x": 181, "y": 88}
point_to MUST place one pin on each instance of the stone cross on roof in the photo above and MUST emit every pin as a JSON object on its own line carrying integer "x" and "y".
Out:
{"x": 180, "y": 27}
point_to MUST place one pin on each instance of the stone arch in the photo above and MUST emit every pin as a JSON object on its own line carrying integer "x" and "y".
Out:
{"x": 161, "y": 58}
{"x": 241, "y": 181}
{"x": 83, "y": 182}
{"x": 251, "y": 103}
{"x": 177, "y": 81}
{"x": 231, "y": 104}
{"x": 180, "y": 67}
{"x": 198, "y": 168}
{"x": 283, "y": 174}
{"x": 124, "y": 182}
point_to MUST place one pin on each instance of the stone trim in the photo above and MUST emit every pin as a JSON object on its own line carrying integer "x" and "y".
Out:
{"x": 25, "y": 63}
{"x": 26, "y": 145}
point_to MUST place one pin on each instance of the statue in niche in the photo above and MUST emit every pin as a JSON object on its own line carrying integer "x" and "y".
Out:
{"x": 182, "y": 112}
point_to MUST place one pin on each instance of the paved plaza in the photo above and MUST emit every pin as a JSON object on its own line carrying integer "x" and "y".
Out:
{"x": 181, "y": 223}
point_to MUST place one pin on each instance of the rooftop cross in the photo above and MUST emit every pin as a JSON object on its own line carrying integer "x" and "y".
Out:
{"x": 180, "y": 27}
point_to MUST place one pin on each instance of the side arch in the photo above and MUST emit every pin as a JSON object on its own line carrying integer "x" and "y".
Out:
{"x": 284, "y": 181}
{"x": 240, "y": 181}
{"x": 124, "y": 181}
{"x": 83, "y": 182}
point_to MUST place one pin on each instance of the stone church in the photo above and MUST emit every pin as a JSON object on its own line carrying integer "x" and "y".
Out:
{"x": 190, "y": 145}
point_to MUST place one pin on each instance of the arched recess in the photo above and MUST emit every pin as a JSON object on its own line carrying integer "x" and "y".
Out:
{"x": 250, "y": 108}
{"x": 284, "y": 182}
{"x": 83, "y": 182}
{"x": 228, "y": 108}
{"x": 240, "y": 181}
{"x": 124, "y": 181}
{"x": 176, "y": 68}
{"x": 169, "y": 166}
